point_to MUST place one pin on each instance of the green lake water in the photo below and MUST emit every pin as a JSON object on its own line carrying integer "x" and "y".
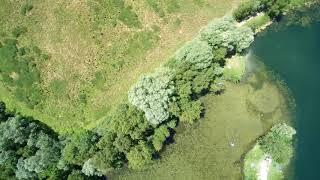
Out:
{"x": 291, "y": 49}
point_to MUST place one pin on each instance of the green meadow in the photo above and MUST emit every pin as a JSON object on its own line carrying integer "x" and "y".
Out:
{"x": 84, "y": 55}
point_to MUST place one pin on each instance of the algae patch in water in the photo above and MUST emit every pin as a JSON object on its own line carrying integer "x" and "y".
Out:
{"x": 266, "y": 99}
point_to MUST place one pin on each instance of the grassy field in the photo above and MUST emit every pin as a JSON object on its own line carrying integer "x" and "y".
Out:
{"x": 95, "y": 50}
{"x": 214, "y": 148}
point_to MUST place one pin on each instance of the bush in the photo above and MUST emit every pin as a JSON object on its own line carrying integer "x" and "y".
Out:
{"x": 273, "y": 8}
{"x": 26, "y": 7}
{"x": 246, "y": 9}
{"x": 129, "y": 17}
{"x": 18, "y": 31}
{"x": 156, "y": 5}
{"x": 277, "y": 8}
{"x": 191, "y": 82}
{"x": 244, "y": 36}
{"x": 218, "y": 86}
{"x": 257, "y": 22}
{"x": 110, "y": 12}
{"x": 106, "y": 159}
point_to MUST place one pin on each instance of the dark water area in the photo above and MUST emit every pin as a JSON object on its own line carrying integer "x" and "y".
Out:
{"x": 291, "y": 49}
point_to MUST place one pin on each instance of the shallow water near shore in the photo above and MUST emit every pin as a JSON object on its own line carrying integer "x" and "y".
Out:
{"x": 214, "y": 147}
{"x": 291, "y": 49}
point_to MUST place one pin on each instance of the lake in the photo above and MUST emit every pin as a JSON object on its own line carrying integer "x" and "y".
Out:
{"x": 291, "y": 49}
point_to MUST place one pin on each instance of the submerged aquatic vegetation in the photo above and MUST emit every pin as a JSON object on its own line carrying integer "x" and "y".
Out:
{"x": 265, "y": 100}
{"x": 234, "y": 69}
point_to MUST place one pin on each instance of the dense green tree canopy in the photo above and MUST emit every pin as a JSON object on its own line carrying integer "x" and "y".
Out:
{"x": 160, "y": 135}
{"x": 140, "y": 156}
{"x": 28, "y": 148}
{"x": 125, "y": 128}
{"x": 198, "y": 53}
{"x": 152, "y": 94}
{"x": 105, "y": 159}
{"x": 128, "y": 120}
{"x": 79, "y": 147}
{"x": 76, "y": 175}
{"x": 224, "y": 33}
{"x": 3, "y": 113}
{"x": 273, "y": 8}
{"x": 246, "y": 9}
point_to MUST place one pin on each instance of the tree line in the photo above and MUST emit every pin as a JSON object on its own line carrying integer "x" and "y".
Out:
{"x": 273, "y": 8}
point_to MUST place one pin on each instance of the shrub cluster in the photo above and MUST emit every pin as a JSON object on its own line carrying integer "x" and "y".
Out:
{"x": 26, "y": 7}
{"x": 246, "y": 9}
{"x": 273, "y": 8}
{"x": 258, "y": 22}
{"x": 18, "y": 69}
{"x": 163, "y": 7}
{"x": 110, "y": 12}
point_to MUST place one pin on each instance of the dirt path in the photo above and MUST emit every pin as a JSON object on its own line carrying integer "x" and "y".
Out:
{"x": 264, "y": 167}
